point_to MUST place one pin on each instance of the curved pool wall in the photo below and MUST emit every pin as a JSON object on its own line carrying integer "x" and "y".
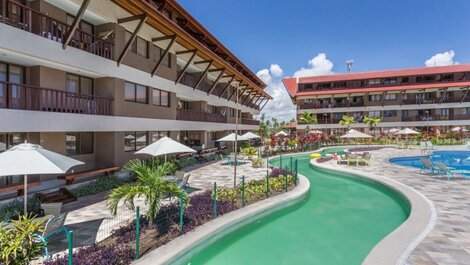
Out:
{"x": 339, "y": 223}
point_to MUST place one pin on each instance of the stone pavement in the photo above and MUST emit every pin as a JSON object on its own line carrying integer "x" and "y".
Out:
{"x": 449, "y": 241}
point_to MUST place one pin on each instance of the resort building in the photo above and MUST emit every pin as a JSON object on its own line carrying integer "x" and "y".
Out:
{"x": 98, "y": 80}
{"x": 429, "y": 99}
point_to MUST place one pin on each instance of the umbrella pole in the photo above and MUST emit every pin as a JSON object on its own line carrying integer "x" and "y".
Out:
{"x": 25, "y": 209}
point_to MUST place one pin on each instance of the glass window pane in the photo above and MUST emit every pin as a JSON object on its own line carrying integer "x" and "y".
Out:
{"x": 141, "y": 140}
{"x": 86, "y": 86}
{"x": 129, "y": 141}
{"x": 86, "y": 143}
{"x": 129, "y": 92}
{"x": 3, "y": 72}
{"x": 16, "y": 139}
{"x": 141, "y": 94}
{"x": 3, "y": 142}
{"x": 73, "y": 83}
{"x": 15, "y": 74}
{"x": 71, "y": 143}
{"x": 165, "y": 99}
{"x": 156, "y": 97}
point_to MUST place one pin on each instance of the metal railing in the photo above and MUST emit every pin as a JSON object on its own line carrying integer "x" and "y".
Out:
{"x": 28, "y": 19}
{"x": 192, "y": 115}
{"x": 250, "y": 121}
{"x": 26, "y": 97}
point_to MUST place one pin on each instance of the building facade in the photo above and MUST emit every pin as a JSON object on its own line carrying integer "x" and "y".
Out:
{"x": 428, "y": 99}
{"x": 98, "y": 80}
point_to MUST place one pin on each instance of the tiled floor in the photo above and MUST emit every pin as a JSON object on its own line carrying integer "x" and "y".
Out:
{"x": 449, "y": 241}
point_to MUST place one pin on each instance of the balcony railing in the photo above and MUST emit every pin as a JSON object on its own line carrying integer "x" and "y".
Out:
{"x": 191, "y": 115}
{"x": 25, "y": 18}
{"x": 250, "y": 121}
{"x": 25, "y": 97}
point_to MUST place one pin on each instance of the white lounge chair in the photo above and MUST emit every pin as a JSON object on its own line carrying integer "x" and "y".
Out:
{"x": 444, "y": 171}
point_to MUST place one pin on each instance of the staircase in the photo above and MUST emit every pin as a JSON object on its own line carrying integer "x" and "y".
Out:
{"x": 62, "y": 195}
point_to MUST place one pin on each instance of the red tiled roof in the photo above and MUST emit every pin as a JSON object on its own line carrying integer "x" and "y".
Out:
{"x": 382, "y": 89}
{"x": 385, "y": 74}
{"x": 291, "y": 84}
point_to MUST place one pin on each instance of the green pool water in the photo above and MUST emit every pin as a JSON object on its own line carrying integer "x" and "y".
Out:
{"x": 339, "y": 222}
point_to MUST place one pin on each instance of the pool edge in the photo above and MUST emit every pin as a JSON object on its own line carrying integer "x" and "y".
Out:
{"x": 398, "y": 245}
{"x": 204, "y": 235}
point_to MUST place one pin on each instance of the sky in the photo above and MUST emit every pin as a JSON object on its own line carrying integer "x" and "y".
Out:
{"x": 277, "y": 39}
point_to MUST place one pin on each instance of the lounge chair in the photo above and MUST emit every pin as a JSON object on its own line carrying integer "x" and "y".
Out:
{"x": 179, "y": 175}
{"x": 343, "y": 159}
{"x": 427, "y": 166}
{"x": 52, "y": 208}
{"x": 52, "y": 228}
{"x": 424, "y": 148}
{"x": 365, "y": 159}
{"x": 430, "y": 145}
{"x": 184, "y": 183}
{"x": 444, "y": 171}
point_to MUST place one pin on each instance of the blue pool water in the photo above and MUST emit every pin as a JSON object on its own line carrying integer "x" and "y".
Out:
{"x": 460, "y": 160}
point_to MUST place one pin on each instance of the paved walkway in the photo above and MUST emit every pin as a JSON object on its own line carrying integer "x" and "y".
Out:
{"x": 449, "y": 241}
{"x": 91, "y": 222}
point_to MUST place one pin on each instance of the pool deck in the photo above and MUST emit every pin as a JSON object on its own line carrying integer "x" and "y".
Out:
{"x": 449, "y": 240}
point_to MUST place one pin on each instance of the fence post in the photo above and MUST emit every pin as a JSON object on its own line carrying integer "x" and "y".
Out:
{"x": 291, "y": 165}
{"x": 296, "y": 180}
{"x": 285, "y": 183}
{"x": 70, "y": 241}
{"x": 215, "y": 200}
{"x": 137, "y": 233}
{"x": 243, "y": 191}
{"x": 181, "y": 211}
{"x": 267, "y": 184}
{"x": 280, "y": 162}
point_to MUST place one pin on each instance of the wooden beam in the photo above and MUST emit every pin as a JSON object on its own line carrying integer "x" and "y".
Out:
{"x": 252, "y": 98}
{"x": 264, "y": 105}
{"x": 464, "y": 95}
{"x": 228, "y": 84}
{"x": 142, "y": 18}
{"x": 260, "y": 97}
{"x": 240, "y": 85}
{"x": 162, "y": 38}
{"x": 222, "y": 71}
{"x": 241, "y": 94}
{"x": 165, "y": 53}
{"x": 403, "y": 92}
{"x": 383, "y": 97}
{"x": 193, "y": 51}
{"x": 186, "y": 51}
{"x": 203, "y": 74}
{"x": 75, "y": 23}
{"x": 443, "y": 95}
{"x": 205, "y": 61}
{"x": 248, "y": 96}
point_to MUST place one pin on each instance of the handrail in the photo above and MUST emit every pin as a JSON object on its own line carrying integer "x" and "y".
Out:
{"x": 192, "y": 115}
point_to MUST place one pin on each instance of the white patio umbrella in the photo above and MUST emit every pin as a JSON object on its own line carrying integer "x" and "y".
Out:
{"x": 27, "y": 159}
{"x": 231, "y": 138}
{"x": 250, "y": 135}
{"x": 353, "y": 134}
{"x": 165, "y": 146}
{"x": 458, "y": 129}
{"x": 406, "y": 131}
{"x": 393, "y": 130}
{"x": 281, "y": 133}
{"x": 315, "y": 132}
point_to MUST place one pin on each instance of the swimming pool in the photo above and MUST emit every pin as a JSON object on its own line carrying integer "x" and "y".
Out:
{"x": 340, "y": 222}
{"x": 459, "y": 160}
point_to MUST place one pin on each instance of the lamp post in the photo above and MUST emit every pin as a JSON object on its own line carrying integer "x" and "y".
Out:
{"x": 427, "y": 121}
{"x": 326, "y": 122}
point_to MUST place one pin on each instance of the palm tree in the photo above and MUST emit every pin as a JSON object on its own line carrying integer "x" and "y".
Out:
{"x": 372, "y": 122}
{"x": 150, "y": 184}
{"x": 308, "y": 118}
{"x": 347, "y": 121}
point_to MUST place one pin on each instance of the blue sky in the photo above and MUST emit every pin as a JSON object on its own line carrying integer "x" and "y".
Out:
{"x": 376, "y": 34}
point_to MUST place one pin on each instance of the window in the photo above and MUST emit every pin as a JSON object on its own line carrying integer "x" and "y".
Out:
{"x": 405, "y": 80}
{"x": 308, "y": 86}
{"x": 337, "y": 116}
{"x": 466, "y": 111}
{"x": 390, "y": 97}
{"x": 79, "y": 84}
{"x": 308, "y": 101}
{"x": 375, "y": 97}
{"x": 9, "y": 140}
{"x": 232, "y": 112}
{"x": 159, "y": 53}
{"x": 160, "y": 98}
{"x": 139, "y": 46}
{"x": 375, "y": 114}
{"x": 159, "y": 135}
{"x": 373, "y": 82}
{"x": 79, "y": 143}
{"x": 390, "y": 113}
{"x": 444, "y": 112}
{"x": 134, "y": 141}
{"x": 13, "y": 74}
{"x": 405, "y": 113}
{"x": 135, "y": 93}
{"x": 213, "y": 136}
{"x": 84, "y": 26}
{"x": 390, "y": 81}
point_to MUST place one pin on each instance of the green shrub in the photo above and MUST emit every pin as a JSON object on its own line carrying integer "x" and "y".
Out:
{"x": 15, "y": 208}
{"x": 229, "y": 194}
{"x": 185, "y": 162}
{"x": 20, "y": 244}
{"x": 101, "y": 184}
{"x": 257, "y": 161}
{"x": 250, "y": 151}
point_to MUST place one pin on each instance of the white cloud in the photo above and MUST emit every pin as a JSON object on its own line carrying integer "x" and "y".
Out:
{"x": 441, "y": 59}
{"x": 318, "y": 65}
{"x": 281, "y": 106}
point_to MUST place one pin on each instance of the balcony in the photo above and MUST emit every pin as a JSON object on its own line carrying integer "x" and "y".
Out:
{"x": 27, "y": 19}
{"x": 25, "y": 97}
{"x": 191, "y": 115}
{"x": 250, "y": 121}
